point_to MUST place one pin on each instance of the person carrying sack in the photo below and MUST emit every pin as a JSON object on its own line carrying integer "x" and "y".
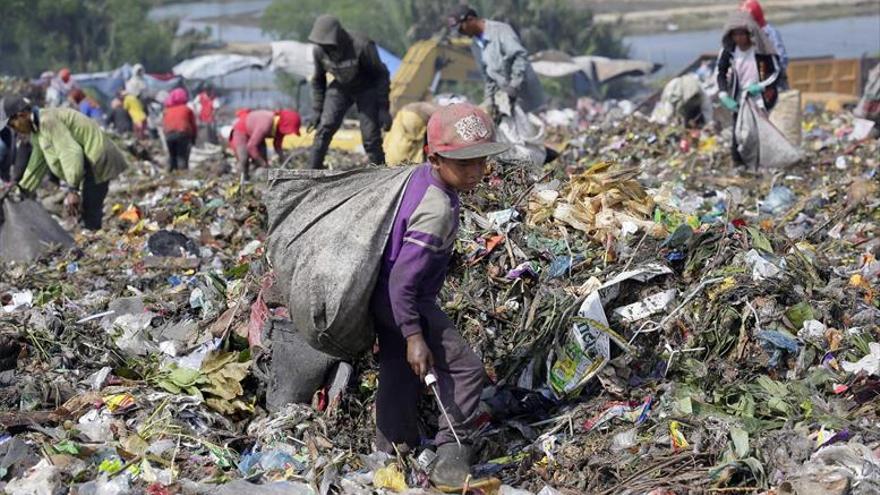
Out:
{"x": 747, "y": 68}
{"x": 74, "y": 149}
{"x": 415, "y": 335}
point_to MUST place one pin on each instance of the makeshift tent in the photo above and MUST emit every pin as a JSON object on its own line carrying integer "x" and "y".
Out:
{"x": 390, "y": 60}
{"x": 216, "y": 65}
{"x": 107, "y": 84}
{"x": 295, "y": 57}
{"x": 554, "y": 63}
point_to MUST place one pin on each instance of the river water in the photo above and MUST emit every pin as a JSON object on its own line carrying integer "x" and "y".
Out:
{"x": 198, "y": 15}
{"x": 847, "y": 37}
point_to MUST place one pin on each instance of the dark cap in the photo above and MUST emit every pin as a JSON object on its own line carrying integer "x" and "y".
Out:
{"x": 458, "y": 14}
{"x": 13, "y": 105}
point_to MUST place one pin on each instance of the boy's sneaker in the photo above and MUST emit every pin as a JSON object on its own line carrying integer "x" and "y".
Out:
{"x": 452, "y": 465}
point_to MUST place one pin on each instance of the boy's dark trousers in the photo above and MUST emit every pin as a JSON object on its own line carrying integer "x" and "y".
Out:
{"x": 460, "y": 375}
{"x": 734, "y": 151}
{"x": 336, "y": 104}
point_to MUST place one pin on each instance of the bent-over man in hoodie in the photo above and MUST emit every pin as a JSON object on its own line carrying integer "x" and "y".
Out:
{"x": 359, "y": 77}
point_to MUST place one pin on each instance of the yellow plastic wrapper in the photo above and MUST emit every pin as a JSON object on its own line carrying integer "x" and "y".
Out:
{"x": 391, "y": 478}
{"x": 119, "y": 402}
{"x": 679, "y": 442}
{"x": 708, "y": 145}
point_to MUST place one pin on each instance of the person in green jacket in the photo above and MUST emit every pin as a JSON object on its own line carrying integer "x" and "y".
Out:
{"x": 74, "y": 149}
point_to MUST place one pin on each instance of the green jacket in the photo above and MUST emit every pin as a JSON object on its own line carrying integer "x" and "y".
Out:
{"x": 63, "y": 142}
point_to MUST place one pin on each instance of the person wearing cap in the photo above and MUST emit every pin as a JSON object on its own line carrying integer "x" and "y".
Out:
{"x": 415, "y": 335}
{"x": 359, "y": 78}
{"x": 503, "y": 60}
{"x": 179, "y": 125}
{"x": 253, "y": 128}
{"x": 74, "y": 149}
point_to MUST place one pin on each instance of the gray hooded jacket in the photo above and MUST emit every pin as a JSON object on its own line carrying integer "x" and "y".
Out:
{"x": 505, "y": 63}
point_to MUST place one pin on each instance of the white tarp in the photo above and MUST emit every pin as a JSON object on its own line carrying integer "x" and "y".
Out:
{"x": 216, "y": 65}
{"x": 293, "y": 57}
{"x": 554, "y": 63}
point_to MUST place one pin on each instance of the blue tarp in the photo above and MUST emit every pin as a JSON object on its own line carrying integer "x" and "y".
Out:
{"x": 389, "y": 59}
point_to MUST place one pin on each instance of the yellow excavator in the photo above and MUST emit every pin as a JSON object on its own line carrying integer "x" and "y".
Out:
{"x": 434, "y": 66}
{"x": 429, "y": 67}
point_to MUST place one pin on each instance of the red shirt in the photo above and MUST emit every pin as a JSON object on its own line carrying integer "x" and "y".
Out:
{"x": 180, "y": 118}
{"x": 253, "y": 128}
{"x": 206, "y": 113}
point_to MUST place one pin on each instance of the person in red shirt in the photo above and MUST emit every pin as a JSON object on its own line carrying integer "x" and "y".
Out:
{"x": 250, "y": 131}
{"x": 207, "y": 101}
{"x": 179, "y": 124}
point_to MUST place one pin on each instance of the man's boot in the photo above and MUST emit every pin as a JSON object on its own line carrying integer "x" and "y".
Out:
{"x": 452, "y": 465}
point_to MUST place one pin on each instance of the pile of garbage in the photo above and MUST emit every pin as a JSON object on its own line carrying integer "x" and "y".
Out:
{"x": 695, "y": 319}
{"x": 653, "y": 319}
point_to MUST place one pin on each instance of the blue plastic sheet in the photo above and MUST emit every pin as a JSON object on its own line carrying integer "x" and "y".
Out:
{"x": 777, "y": 344}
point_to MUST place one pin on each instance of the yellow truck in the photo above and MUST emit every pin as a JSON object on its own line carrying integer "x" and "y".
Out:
{"x": 434, "y": 66}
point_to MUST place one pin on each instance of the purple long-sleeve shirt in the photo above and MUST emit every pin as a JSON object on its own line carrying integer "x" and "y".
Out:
{"x": 417, "y": 256}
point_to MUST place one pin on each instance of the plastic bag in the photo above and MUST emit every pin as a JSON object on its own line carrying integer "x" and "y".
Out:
{"x": 525, "y": 133}
{"x": 27, "y": 230}
{"x": 786, "y": 115}
{"x": 759, "y": 142}
{"x": 327, "y": 233}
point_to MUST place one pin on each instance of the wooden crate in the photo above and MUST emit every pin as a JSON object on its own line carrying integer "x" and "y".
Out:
{"x": 842, "y": 76}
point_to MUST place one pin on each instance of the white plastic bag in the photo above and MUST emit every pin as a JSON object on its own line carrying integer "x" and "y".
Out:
{"x": 523, "y": 131}
{"x": 759, "y": 142}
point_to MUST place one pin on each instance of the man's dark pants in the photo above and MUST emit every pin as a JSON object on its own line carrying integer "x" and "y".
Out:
{"x": 336, "y": 104}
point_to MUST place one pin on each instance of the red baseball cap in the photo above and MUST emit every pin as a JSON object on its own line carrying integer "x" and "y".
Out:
{"x": 461, "y": 132}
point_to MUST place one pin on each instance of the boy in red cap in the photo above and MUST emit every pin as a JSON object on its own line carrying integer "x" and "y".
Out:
{"x": 415, "y": 336}
{"x": 250, "y": 131}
